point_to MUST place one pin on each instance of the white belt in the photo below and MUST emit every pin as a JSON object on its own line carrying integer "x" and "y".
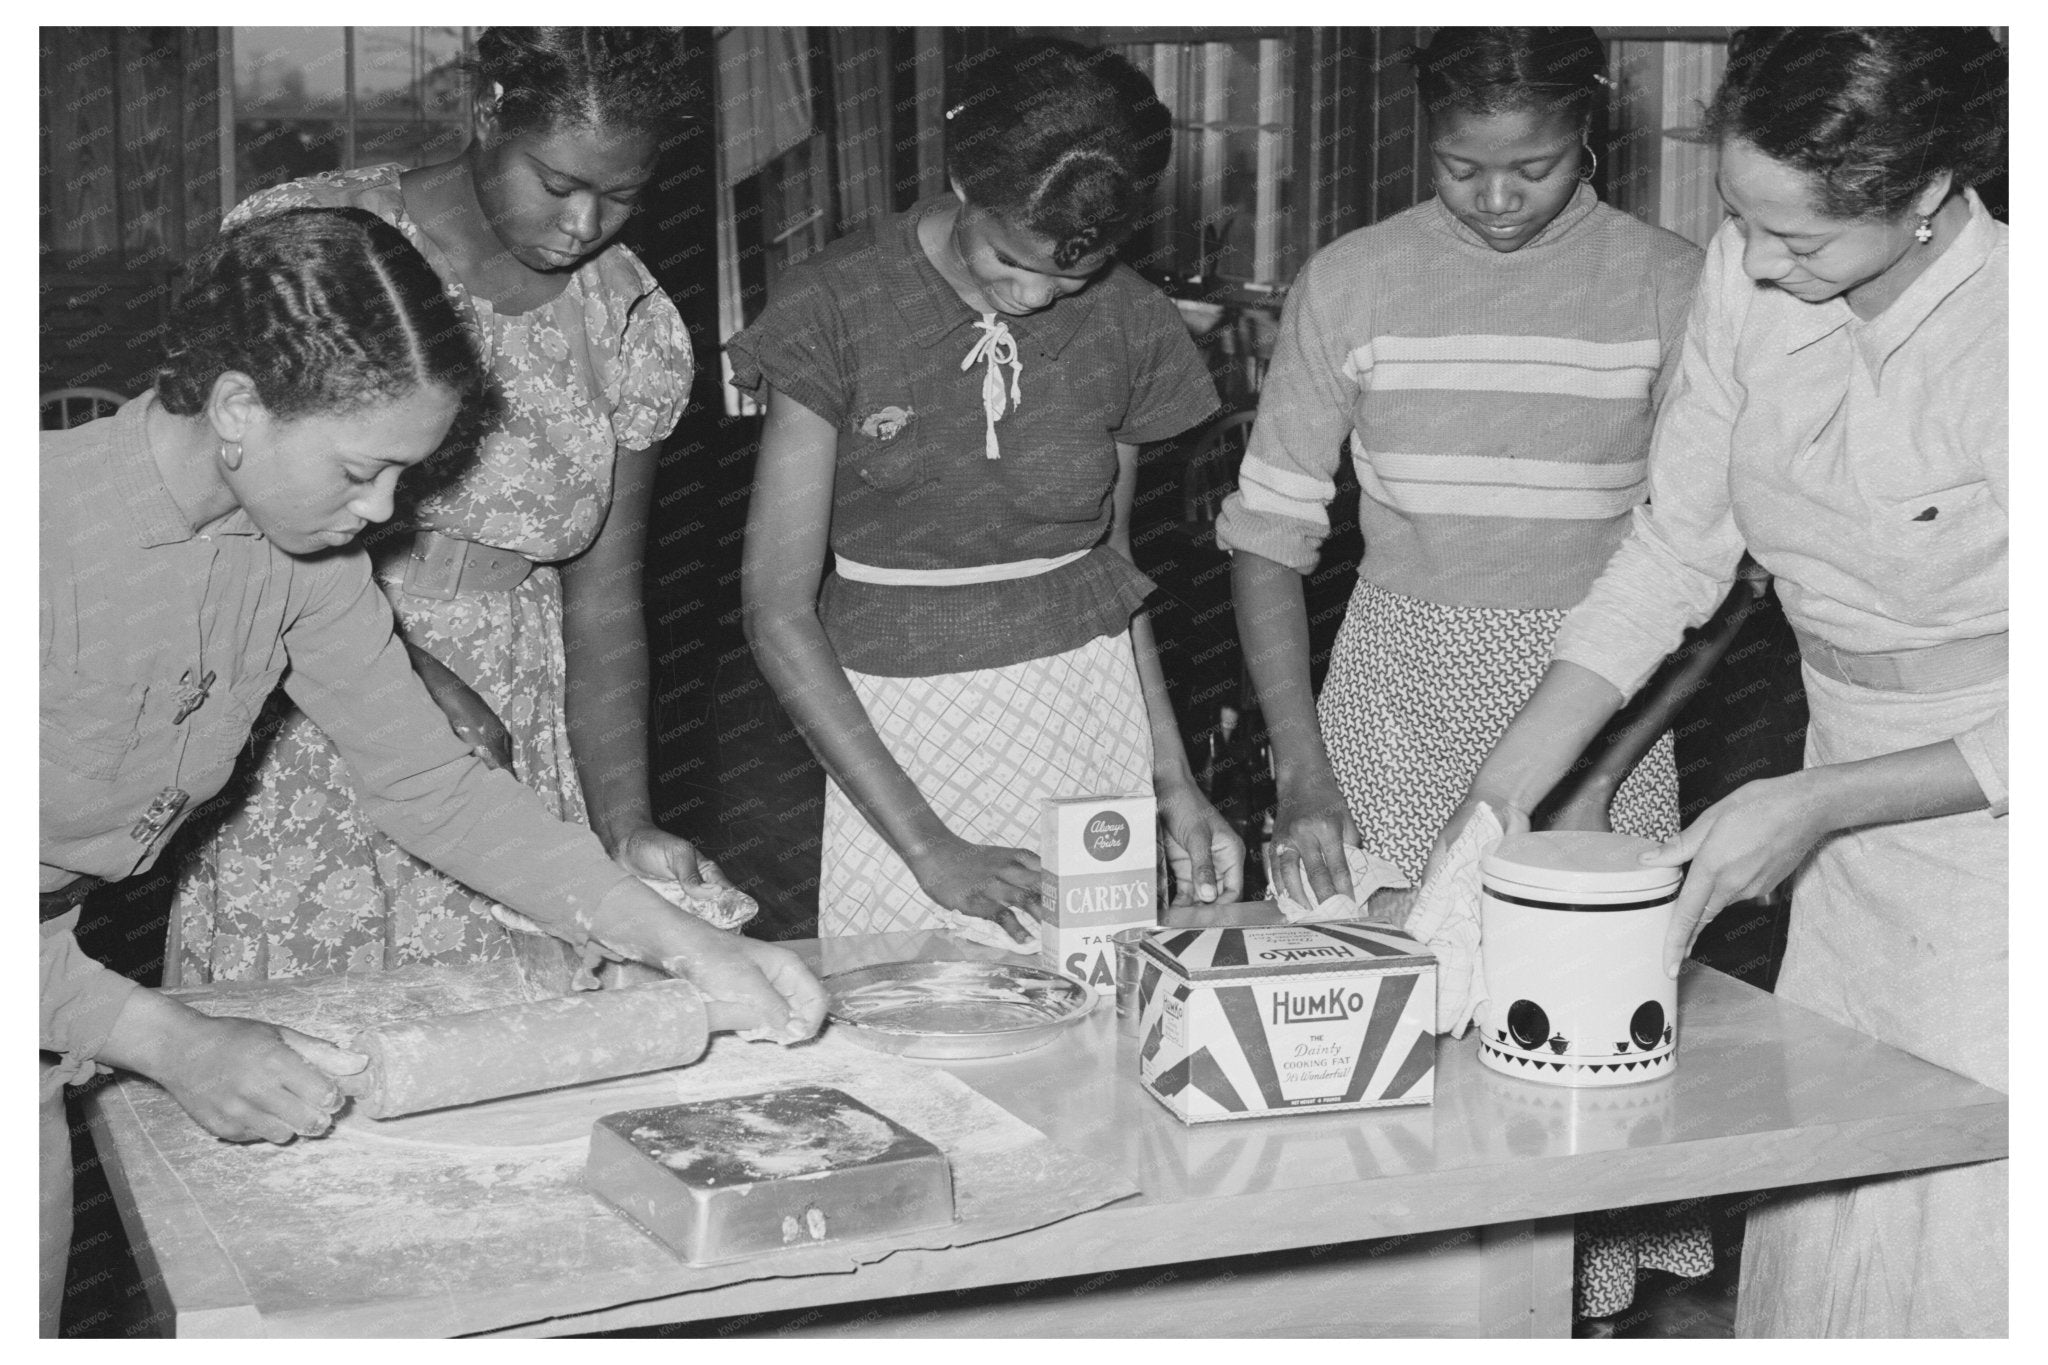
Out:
{"x": 952, "y": 578}
{"x": 1932, "y": 668}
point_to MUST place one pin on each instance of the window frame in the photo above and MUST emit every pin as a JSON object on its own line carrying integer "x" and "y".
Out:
{"x": 350, "y": 122}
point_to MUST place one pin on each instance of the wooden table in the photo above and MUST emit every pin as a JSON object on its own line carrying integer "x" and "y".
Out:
{"x": 1450, "y": 1219}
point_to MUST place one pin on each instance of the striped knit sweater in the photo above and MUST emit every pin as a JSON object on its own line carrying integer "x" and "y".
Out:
{"x": 1499, "y": 405}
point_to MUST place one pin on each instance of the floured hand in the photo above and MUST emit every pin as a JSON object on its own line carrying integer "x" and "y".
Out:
{"x": 758, "y": 990}
{"x": 717, "y": 902}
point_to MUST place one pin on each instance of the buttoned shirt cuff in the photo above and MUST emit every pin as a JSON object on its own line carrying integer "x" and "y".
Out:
{"x": 1984, "y": 749}
{"x": 80, "y": 1002}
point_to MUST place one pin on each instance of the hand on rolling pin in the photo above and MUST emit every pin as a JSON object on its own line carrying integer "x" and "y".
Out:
{"x": 984, "y": 881}
{"x": 1743, "y": 846}
{"x": 1204, "y": 853}
{"x": 1312, "y": 826}
{"x": 755, "y": 987}
{"x": 239, "y": 1079}
{"x": 469, "y": 715}
{"x": 752, "y": 988}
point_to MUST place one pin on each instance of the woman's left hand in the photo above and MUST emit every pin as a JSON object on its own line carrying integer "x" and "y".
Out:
{"x": 651, "y": 851}
{"x": 1744, "y": 846}
{"x": 1204, "y": 853}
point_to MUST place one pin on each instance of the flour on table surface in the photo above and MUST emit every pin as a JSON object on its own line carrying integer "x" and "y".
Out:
{"x": 477, "y": 1217}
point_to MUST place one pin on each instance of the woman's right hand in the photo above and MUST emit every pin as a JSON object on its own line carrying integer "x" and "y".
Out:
{"x": 1513, "y": 820}
{"x": 1312, "y": 824}
{"x": 469, "y": 715}
{"x": 239, "y": 1079}
{"x": 986, "y": 881}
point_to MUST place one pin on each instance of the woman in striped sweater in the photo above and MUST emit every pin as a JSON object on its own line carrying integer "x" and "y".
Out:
{"x": 1495, "y": 355}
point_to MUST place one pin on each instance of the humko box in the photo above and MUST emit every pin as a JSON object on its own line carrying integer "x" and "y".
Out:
{"x": 1100, "y": 856}
{"x": 718, "y": 1180}
{"x": 1280, "y": 1019}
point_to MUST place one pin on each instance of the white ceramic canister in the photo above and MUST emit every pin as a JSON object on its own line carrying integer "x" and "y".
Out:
{"x": 1572, "y": 945}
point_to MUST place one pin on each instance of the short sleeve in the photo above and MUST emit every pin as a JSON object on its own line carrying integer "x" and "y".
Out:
{"x": 292, "y": 194}
{"x": 798, "y": 346}
{"x": 368, "y": 187}
{"x": 1171, "y": 391}
{"x": 655, "y": 367}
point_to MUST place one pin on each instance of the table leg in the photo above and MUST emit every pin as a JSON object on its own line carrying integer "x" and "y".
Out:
{"x": 1526, "y": 1278}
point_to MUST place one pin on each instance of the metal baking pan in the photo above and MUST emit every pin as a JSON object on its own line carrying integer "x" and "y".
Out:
{"x": 947, "y": 1011}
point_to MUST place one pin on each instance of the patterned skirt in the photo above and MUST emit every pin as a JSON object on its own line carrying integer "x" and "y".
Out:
{"x": 297, "y": 879}
{"x": 983, "y": 747}
{"x": 1416, "y": 695}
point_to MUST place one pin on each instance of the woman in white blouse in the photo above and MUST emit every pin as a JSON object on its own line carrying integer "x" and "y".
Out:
{"x": 1840, "y": 412}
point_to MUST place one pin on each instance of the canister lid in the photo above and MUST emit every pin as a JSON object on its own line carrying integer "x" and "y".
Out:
{"x": 1587, "y": 861}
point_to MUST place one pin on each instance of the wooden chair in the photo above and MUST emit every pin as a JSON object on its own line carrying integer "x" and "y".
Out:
{"x": 62, "y": 409}
{"x": 1580, "y": 800}
{"x": 1211, "y": 472}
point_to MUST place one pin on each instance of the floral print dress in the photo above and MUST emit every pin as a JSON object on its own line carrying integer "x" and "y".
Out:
{"x": 297, "y": 879}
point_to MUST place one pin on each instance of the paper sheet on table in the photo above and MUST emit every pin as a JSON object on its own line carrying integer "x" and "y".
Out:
{"x": 444, "y": 1232}
{"x": 1446, "y": 917}
{"x": 1369, "y": 873}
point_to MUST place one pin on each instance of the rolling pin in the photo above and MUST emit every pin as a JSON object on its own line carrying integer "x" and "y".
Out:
{"x": 449, "y": 1059}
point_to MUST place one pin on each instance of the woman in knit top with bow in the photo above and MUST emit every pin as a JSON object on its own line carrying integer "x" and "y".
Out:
{"x": 955, "y": 401}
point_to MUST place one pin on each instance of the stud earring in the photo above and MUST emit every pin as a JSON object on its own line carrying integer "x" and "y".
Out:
{"x": 1925, "y": 232}
{"x": 1592, "y": 168}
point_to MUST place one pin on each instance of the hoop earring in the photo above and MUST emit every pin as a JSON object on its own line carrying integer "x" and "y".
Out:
{"x": 1586, "y": 173}
{"x": 1925, "y": 232}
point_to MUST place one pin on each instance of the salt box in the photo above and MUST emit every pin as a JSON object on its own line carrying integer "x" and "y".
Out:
{"x": 1276, "y": 1019}
{"x": 1100, "y": 861}
{"x": 1572, "y": 932}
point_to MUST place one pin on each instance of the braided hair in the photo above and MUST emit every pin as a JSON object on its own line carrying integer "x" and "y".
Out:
{"x": 1493, "y": 70}
{"x": 628, "y": 80}
{"x": 324, "y": 310}
{"x": 1061, "y": 139}
{"x": 1869, "y": 114}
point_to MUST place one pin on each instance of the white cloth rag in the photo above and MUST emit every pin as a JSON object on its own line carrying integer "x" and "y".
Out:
{"x": 1369, "y": 873}
{"x": 988, "y": 933}
{"x": 1446, "y": 918}
{"x": 997, "y": 348}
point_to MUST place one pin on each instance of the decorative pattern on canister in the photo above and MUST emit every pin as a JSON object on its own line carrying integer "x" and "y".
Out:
{"x": 1572, "y": 932}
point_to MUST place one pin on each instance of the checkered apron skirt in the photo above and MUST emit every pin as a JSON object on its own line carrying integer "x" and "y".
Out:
{"x": 1416, "y": 695}
{"x": 984, "y": 747}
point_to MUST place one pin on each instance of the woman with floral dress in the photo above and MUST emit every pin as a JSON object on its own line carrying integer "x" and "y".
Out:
{"x": 515, "y": 574}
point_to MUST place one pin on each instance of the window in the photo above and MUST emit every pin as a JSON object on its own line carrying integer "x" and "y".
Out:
{"x": 323, "y": 99}
{"x": 1228, "y": 191}
{"x": 1662, "y": 168}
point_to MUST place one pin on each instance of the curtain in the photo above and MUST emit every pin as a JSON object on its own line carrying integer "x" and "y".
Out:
{"x": 862, "y": 136}
{"x": 764, "y": 96}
